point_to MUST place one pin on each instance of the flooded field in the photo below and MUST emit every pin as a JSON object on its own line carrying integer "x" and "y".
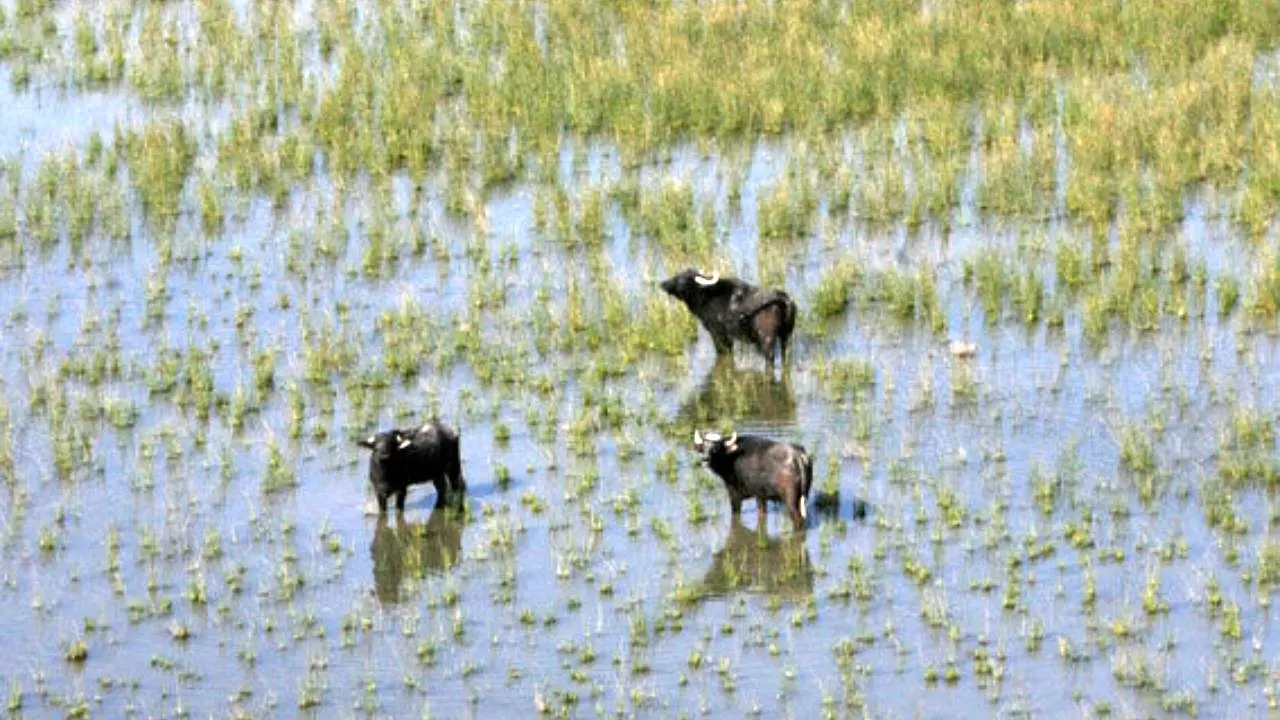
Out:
{"x": 1038, "y": 289}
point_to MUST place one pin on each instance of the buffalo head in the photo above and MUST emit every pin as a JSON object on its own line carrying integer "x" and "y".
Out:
{"x": 688, "y": 284}
{"x": 713, "y": 444}
{"x": 386, "y": 444}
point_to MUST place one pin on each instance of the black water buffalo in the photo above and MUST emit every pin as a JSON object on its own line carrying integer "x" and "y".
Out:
{"x": 760, "y": 468}
{"x": 408, "y": 457}
{"x": 413, "y": 550}
{"x": 731, "y": 309}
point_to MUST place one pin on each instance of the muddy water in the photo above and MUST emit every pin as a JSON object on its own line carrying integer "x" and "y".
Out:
{"x": 588, "y": 577}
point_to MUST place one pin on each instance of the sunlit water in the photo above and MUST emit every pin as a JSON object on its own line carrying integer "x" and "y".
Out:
{"x": 717, "y": 618}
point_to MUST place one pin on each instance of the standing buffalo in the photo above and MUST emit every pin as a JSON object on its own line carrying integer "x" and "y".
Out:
{"x": 731, "y": 309}
{"x": 409, "y": 457}
{"x": 760, "y": 468}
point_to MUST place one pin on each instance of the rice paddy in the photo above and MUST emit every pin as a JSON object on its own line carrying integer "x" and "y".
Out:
{"x": 1035, "y": 252}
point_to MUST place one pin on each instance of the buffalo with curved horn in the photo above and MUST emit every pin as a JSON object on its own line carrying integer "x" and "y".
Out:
{"x": 731, "y": 309}
{"x": 756, "y": 467}
{"x": 401, "y": 458}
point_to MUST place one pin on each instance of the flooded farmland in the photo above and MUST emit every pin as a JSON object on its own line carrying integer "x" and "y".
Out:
{"x": 1034, "y": 252}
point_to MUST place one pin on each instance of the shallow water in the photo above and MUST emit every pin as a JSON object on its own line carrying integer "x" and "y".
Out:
{"x": 593, "y": 579}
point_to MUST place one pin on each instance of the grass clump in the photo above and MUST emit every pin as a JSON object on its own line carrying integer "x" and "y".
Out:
{"x": 76, "y": 652}
{"x": 847, "y": 376}
{"x": 835, "y": 288}
{"x": 1247, "y": 450}
{"x": 1269, "y": 564}
{"x": 1264, "y": 290}
{"x": 786, "y": 211}
{"x": 909, "y": 298}
{"x": 160, "y": 158}
{"x": 1228, "y": 292}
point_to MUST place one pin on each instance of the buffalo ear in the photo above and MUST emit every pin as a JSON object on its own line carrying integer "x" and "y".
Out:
{"x": 368, "y": 442}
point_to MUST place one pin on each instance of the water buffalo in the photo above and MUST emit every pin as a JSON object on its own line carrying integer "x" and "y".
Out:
{"x": 412, "y": 550}
{"x": 408, "y": 457}
{"x": 756, "y": 467}
{"x": 731, "y": 309}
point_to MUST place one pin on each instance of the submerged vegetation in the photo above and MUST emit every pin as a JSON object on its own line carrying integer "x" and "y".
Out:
{"x": 1038, "y": 269}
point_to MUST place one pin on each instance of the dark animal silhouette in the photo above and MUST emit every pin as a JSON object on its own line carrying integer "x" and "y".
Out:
{"x": 828, "y": 506}
{"x": 752, "y": 561}
{"x": 409, "y": 457}
{"x": 756, "y": 467}
{"x": 728, "y": 394}
{"x": 731, "y": 309}
{"x": 409, "y": 550}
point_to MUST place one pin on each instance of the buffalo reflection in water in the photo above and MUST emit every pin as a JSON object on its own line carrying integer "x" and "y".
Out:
{"x": 412, "y": 550}
{"x": 727, "y": 393}
{"x": 752, "y": 561}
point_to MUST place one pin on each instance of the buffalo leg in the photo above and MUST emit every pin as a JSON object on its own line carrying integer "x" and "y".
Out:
{"x": 766, "y": 324}
{"x": 793, "y": 507}
{"x": 762, "y": 507}
{"x": 735, "y": 503}
{"x": 796, "y": 520}
{"x": 382, "y": 503}
{"x": 723, "y": 343}
{"x": 767, "y": 344}
{"x": 400, "y": 496}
